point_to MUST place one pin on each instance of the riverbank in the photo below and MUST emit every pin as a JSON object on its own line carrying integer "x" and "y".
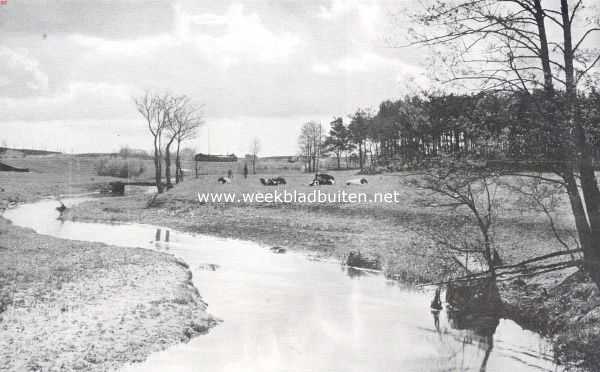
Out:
{"x": 564, "y": 305}
{"x": 71, "y": 305}
{"x": 386, "y": 233}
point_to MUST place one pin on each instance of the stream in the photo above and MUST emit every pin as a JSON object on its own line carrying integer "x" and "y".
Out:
{"x": 293, "y": 312}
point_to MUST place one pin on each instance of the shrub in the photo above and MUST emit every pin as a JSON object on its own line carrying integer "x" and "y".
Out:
{"x": 119, "y": 167}
{"x": 128, "y": 152}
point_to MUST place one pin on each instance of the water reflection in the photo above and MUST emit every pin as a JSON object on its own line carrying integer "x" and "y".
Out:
{"x": 478, "y": 330}
{"x": 436, "y": 320}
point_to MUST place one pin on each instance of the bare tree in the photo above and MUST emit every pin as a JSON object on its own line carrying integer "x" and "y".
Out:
{"x": 188, "y": 122}
{"x": 468, "y": 186}
{"x": 509, "y": 46}
{"x": 174, "y": 107}
{"x": 311, "y": 141}
{"x": 254, "y": 150}
{"x": 150, "y": 107}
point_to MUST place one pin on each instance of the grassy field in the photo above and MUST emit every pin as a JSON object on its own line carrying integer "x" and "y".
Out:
{"x": 49, "y": 175}
{"x": 69, "y": 305}
{"x": 393, "y": 233}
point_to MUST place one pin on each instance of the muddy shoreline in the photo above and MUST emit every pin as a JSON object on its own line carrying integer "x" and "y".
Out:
{"x": 536, "y": 304}
{"x": 73, "y": 305}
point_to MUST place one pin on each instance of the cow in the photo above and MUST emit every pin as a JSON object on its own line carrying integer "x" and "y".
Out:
{"x": 280, "y": 180}
{"x": 273, "y": 181}
{"x": 224, "y": 180}
{"x": 322, "y": 179}
{"x": 278, "y": 249}
{"x": 357, "y": 181}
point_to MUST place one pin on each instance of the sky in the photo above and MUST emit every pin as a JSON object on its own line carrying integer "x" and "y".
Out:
{"x": 69, "y": 69}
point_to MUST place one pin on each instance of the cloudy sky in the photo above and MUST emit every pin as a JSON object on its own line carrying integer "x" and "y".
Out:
{"x": 69, "y": 69}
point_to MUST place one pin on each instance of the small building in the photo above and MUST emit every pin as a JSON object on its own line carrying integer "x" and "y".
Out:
{"x": 231, "y": 158}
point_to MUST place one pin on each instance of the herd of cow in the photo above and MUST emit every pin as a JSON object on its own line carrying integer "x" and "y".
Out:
{"x": 320, "y": 179}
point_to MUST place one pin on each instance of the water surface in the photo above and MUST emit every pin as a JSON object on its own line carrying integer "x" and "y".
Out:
{"x": 289, "y": 312}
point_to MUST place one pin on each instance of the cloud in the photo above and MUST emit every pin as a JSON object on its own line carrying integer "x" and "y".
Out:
{"x": 365, "y": 62}
{"x": 124, "y": 47}
{"x": 240, "y": 36}
{"x": 77, "y": 100}
{"x": 368, "y": 12}
{"x": 281, "y": 62}
{"x": 244, "y": 36}
{"x": 20, "y": 74}
{"x": 110, "y": 19}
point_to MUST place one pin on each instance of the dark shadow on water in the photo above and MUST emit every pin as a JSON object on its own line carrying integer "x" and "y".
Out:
{"x": 436, "y": 320}
{"x": 354, "y": 272}
{"x": 478, "y": 330}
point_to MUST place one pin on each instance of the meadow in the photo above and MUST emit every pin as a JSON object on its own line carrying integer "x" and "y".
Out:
{"x": 399, "y": 234}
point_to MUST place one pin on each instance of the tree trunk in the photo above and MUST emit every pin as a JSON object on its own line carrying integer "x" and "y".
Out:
{"x": 589, "y": 184}
{"x": 157, "y": 166}
{"x": 178, "y": 173}
{"x": 168, "y": 165}
{"x": 360, "y": 155}
{"x": 544, "y": 52}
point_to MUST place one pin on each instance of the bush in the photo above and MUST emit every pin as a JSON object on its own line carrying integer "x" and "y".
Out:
{"x": 127, "y": 152}
{"x": 119, "y": 167}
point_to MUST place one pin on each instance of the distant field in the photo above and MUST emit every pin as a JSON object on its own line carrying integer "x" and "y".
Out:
{"x": 55, "y": 173}
{"x": 393, "y": 233}
{"x": 52, "y": 174}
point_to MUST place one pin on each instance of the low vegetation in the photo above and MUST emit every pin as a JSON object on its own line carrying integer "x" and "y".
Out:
{"x": 120, "y": 167}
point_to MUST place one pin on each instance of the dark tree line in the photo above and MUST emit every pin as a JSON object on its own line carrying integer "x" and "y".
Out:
{"x": 498, "y": 126}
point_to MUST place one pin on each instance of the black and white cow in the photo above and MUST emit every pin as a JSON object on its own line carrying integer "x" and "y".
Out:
{"x": 224, "y": 180}
{"x": 273, "y": 181}
{"x": 322, "y": 179}
{"x": 357, "y": 181}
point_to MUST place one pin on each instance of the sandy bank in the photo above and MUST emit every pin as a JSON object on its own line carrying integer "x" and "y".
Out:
{"x": 68, "y": 305}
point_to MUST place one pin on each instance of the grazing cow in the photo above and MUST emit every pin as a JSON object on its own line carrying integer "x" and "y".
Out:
{"x": 266, "y": 182}
{"x": 280, "y": 180}
{"x": 224, "y": 180}
{"x": 357, "y": 181}
{"x": 273, "y": 181}
{"x": 322, "y": 179}
{"x": 278, "y": 249}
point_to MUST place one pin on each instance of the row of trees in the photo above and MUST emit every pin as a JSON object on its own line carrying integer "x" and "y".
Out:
{"x": 171, "y": 120}
{"x": 492, "y": 125}
{"x": 342, "y": 141}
